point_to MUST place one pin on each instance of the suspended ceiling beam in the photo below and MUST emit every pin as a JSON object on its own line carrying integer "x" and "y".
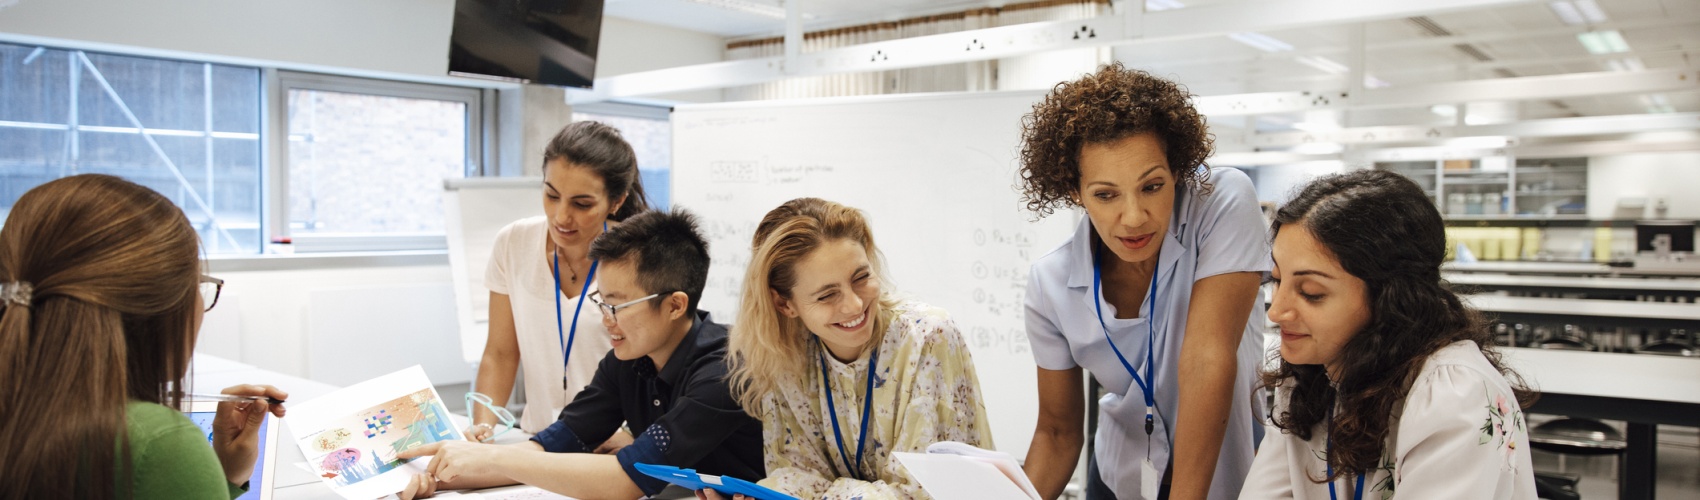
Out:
{"x": 1010, "y": 41}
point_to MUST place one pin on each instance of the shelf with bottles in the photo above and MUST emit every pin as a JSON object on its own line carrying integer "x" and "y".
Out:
{"x": 1551, "y": 186}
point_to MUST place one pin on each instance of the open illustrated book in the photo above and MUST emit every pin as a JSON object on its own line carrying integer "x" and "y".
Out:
{"x": 955, "y": 471}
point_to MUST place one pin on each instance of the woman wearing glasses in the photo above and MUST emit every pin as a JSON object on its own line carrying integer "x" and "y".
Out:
{"x": 98, "y": 319}
{"x": 840, "y": 373}
{"x": 541, "y": 272}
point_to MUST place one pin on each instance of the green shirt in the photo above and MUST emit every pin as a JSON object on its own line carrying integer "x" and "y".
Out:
{"x": 172, "y": 458}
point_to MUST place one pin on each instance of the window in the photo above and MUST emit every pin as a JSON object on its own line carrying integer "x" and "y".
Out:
{"x": 650, "y": 132}
{"x": 366, "y": 159}
{"x": 190, "y": 131}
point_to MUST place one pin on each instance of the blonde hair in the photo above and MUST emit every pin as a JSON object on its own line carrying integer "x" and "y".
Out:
{"x": 766, "y": 347}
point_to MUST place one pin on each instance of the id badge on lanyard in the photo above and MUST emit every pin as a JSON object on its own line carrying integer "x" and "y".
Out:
{"x": 561, "y": 331}
{"x": 1149, "y": 479}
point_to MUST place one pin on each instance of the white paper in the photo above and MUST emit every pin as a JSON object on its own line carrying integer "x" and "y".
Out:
{"x": 954, "y": 477}
{"x": 350, "y": 437}
{"x": 1003, "y": 461}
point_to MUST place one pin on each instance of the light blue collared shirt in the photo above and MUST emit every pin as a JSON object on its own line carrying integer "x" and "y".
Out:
{"x": 1218, "y": 233}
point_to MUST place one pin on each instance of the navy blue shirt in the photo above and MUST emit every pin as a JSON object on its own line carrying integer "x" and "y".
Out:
{"x": 686, "y": 412}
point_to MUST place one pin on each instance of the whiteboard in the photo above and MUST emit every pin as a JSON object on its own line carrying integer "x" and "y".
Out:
{"x": 936, "y": 175}
{"x": 475, "y": 209}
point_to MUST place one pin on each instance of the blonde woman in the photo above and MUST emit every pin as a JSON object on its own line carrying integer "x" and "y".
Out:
{"x": 840, "y": 373}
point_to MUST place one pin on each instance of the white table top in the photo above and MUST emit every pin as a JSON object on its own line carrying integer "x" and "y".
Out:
{"x": 1585, "y": 307}
{"x": 1604, "y": 374}
{"x": 1653, "y": 284}
{"x": 1528, "y": 267}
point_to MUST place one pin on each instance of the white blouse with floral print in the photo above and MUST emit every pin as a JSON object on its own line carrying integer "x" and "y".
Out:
{"x": 1459, "y": 435}
{"x": 925, "y": 391}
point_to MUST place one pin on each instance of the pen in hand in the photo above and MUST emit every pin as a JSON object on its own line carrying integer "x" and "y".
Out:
{"x": 231, "y": 398}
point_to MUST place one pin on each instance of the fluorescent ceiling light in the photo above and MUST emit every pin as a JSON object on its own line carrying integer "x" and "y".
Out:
{"x": 1578, "y": 12}
{"x": 1325, "y": 64}
{"x": 1371, "y": 82}
{"x": 1156, "y": 5}
{"x": 1657, "y": 103}
{"x": 746, "y": 6}
{"x": 1446, "y": 110}
{"x": 1603, "y": 42}
{"x": 1260, "y": 41}
{"x": 1566, "y": 12}
{"x": 1590, "y": 11}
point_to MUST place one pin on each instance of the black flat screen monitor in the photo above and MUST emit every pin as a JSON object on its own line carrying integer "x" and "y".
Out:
{"x": 552, "y": 42}
{"x": 1681, "y": 234}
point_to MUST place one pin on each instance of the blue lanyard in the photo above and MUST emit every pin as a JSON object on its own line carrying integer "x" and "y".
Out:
{"x": 1358, "y": 492}
{"x": 867, "y": 405}
{"x": 561, "y": 331}
{"x": 1145, "y": 384}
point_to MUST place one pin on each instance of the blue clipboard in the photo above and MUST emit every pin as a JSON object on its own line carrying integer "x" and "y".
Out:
{"x": 727, "y": 486}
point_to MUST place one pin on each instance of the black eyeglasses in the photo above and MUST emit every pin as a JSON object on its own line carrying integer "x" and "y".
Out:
{"x": 211, "y": 288}
{"x": 609, "y": 310}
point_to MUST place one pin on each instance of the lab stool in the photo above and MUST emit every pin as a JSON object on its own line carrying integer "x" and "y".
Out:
{"x": 1572, "y": 436}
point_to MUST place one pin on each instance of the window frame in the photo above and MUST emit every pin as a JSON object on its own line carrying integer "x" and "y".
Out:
{"x": 276, "y": 86}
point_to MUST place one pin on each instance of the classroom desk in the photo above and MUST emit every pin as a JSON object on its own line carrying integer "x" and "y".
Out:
{"x": 1642, "y": 390}
{"x": 1644, "y": 286}
{"x": 1615, "y": 312}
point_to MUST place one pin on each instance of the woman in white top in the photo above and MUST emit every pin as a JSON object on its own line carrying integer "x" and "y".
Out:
{"x": 540, "y": 272}
{"x": 1388, "y": 384}
{"x": 1153, "y": 295}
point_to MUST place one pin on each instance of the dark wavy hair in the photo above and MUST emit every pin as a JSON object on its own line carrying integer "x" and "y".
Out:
{"x": 1385, "y": 231}
{"x": 601, "y": 148}
{"x": 1106, "y": 106}
{"x": 669, "y": 252}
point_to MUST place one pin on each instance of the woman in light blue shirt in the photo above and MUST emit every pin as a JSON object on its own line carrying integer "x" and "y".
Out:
{"x": 1154, "y": 294}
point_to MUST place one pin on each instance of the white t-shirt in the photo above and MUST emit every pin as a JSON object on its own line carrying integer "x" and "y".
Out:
{"x": 1209, "y": 235}
{"x": 521, "y": 269}
{"x": 1458, "y": 434}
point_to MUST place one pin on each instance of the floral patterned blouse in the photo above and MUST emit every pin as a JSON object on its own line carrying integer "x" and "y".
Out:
{"x": 1459, "y": 435}
{"x": 925, "y": 391}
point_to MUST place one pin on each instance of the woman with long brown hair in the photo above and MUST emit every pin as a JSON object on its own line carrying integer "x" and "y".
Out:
{"x": 1388, "y": 383}
{"x": 100, "y": 303}
{"x": 539, "y": 276}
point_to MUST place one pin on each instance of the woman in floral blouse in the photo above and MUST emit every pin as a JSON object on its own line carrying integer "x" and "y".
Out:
{"x": 840, "y": 373}
{"x": 1388, "y": 384}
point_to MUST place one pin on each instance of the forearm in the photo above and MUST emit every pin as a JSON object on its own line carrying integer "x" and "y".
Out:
{"x": 578, "y": 475}
{"x": 1207, "y": 381}
{"x": 496, "y": 374}
{"x": 1051, "y": 459}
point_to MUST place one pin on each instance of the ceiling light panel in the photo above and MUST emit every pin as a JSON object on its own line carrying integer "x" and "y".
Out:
{"x": 1603, "y": 42}
{"x": 746, "y": 6}
{"x": 1327, "y": 65}
{"x": 1157, "y": 5}
{"x": 1260, "y": 41}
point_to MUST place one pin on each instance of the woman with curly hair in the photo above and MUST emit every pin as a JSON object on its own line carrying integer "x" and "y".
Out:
{"x": 1375, "y": 351}
{"x": 1154, "y": 293}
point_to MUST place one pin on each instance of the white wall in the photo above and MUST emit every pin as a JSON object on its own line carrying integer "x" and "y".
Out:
{"x": 270, "y": 327}
{"x": 630, "y": 46}
{"x": 399, "y": 36}
{"x": 409, "y": 37}
{"x": 1671, "y": 176}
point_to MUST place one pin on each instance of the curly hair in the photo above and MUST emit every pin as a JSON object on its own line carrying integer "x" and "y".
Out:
{"x": 1108, "y": 105}
{"x": 1385, "y": 231}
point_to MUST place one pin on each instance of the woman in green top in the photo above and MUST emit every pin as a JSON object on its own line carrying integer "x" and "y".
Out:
{"x": 99, "y": 309}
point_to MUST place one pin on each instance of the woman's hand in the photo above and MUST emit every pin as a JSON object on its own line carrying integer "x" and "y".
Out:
{"x": 707, "y": 494}
{"x": 420, "y": 486}
{"x": 478, "y": 433}
{"x": 236, "y": 429}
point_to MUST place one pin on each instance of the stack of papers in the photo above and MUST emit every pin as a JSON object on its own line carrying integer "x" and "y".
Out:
{"x": 957, "y": 471}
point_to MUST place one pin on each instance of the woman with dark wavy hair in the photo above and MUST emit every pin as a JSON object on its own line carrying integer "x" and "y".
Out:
{"x": 1153, "y": 294}
{"x": 1388, "y": 384}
